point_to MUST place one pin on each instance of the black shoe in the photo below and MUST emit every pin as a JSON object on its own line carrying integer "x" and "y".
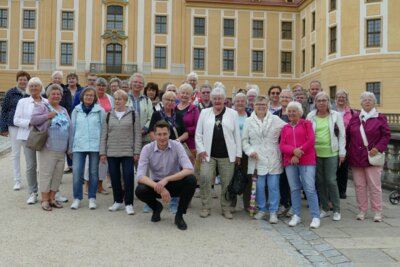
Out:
{"x": 156, "y": 213}
{"x": 343, "y": 195}
{"x": 180, "y": 223}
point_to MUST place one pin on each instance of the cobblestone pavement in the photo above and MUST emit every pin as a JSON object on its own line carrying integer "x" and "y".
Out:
{"x": 79, "y": 237}
{"x": 4, "y": 145}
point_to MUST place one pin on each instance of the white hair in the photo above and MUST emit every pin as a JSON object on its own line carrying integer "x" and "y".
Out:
{"x": 295, "y": 105}
{"x": 37, "y": 81}
{"x": 59, "y": 72}
{"x": 218, "y": 91}
{"x": 192, "y": 75}
{"x": 252, "y": 90}
{"x": 239, "y": 95}
{"x": 219, "y": 84}
{"x": 369, "y": 95}
{"x": 251, "y": 87}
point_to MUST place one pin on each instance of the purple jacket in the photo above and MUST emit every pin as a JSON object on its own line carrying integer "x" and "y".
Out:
{"x": 378, "y": 135}
{"x": 190, "y": 120}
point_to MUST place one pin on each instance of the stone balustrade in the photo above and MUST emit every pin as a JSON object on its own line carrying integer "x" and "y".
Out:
{"x": 391, "y": 175}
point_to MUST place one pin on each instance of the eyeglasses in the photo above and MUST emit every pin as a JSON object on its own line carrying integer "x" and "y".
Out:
{"x": 205, "y": 92}
{"x": 170, "y": 100}
{"x": 260, "y": 104}
{"x": 91, "y": 80}
{"x": 284, "y": 96}
{"x": 322, "y": 100}
{"x": 274, "y": 93}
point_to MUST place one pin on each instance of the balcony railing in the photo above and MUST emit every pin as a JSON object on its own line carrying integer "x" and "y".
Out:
{"x": 127, "y": 69}
{"x": 394, "y": 121}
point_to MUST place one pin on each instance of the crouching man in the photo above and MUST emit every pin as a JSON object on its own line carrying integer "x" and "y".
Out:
{"x": 171, "y": 174}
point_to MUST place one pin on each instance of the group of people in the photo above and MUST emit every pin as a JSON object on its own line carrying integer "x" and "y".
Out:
{"x": 180, "y": 138}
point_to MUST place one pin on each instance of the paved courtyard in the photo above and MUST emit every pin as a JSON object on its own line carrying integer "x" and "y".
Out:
{"x": 30, "y": 236}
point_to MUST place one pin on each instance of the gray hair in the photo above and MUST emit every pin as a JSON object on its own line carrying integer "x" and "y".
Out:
{"x": 101, "y": 81}
{"x": 192, "y": 75}
{"x": 137, "y": 74}
{"x": 253, "y": 87}
{"x": 295, "y": 105}
{"x": 323, "y": 94}
{"x": 369, "y": 95}
{"x": 37, "y": 81}
{"x": 239, "y": 95}
{"x": 287, "y": 91}
{"x": 261, "y": 98}
{"x": 53, "y": 87}
{"x": 219, "y": 84}
{"x": 115, "y": 79}
{"x": 206, "y": 85}
{"x": 218, "y": 91}
{"x": 171, "y": 85}
{"x": 252, "y": 90}
{"x": 343, "y": 92}
{"x": 125, "y": 82}
{"x": 59, "y": 72}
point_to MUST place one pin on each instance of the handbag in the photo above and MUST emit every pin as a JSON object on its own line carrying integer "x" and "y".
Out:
{"x": 237, "y": 185}
{"x": 37, "y": 139}
{"x": 185, "y": 146}
{"x": 379, "y": 158}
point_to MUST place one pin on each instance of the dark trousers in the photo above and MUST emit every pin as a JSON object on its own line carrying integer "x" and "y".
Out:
{"x": 342, "y": 175}
{"x": 114, "y": 168}
{"x": 284, "y": 190}
{"x": 184, "y": 189}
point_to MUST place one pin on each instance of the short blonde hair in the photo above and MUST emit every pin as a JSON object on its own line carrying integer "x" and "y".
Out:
{"x": 185, "y": 87}
{"x": 121, "y": 93}
{"x": 168, "y": 94}
{"x": 57, "y": 72}
{"x": 37, "y": 81}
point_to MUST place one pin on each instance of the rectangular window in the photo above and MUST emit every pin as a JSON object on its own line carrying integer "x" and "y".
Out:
{"x": 229, "y": 59}
{"x": 303, "y": 60}
{"x": 303, "y": 26}
{"x": 3, "y": 18}
{"x": 28, "y": 53}
{"x": 229, "y": 27}
{"x": 115, "y": 16}
{"x": 257, "y": 61}
{"x": 313, "y": 56}
{"x": 67, "y": 23}
{"x": 29, "y": 19}
{"x": 3, "y": 52}
{"x": 332, "y": 33}
{"x": 373, "y": 32}
{"x": 160, "y": 57}
{"x": 332, "y": 92}
{"x": 286, "y": 62}
{"x": 332, "y": 5}
{"x": 258, "y": 28}
{"x": 313, "y": 21}
{"x": 198, "y": 58}
{"x": 199, "y": 26}
{"x": 286, "y": 30}
{"x": 161, "y": 24}
{"x": 375, "y": 88}
{"x": 66, "y": 53}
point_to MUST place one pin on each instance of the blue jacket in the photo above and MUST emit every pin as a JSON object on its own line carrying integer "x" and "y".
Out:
{"x": 86, "y": 130}
{"x": 8, "y": 108}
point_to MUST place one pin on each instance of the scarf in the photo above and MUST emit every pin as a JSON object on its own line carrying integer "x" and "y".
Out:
{"x": 87, "y": 109}
{"x": 171, "y": 120}
{"x": 364, "y": 116}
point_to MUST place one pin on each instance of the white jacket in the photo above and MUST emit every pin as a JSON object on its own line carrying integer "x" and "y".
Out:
{"x": 22, "y": 116}
{"x": 230, "y": 126}
{"x": 337, "y": 143}
{"x": 262, "y": 137}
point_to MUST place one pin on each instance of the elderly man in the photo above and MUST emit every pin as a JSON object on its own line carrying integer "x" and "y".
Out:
{"x": 171, "y": 174}
{"x": 315, "y": 88}
{"x": 205, "y": 91}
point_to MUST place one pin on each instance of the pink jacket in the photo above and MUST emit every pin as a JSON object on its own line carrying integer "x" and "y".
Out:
{"x": 301, "y": 135}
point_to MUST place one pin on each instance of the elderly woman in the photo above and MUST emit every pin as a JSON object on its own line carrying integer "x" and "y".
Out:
{"x": 252, "y": 93}
{"x": 260, "y": 142}
{"x": 342, "y": 106}
{"x": 114, "y": 84}
{"x": 22, "y": 119}
{"x": 273, "y": 93}
{"x": 330, "y": 146}
{"x": 297, "y": 146}
{"x": 7, "y": 127}
{"x": 285, "y": 97}
{"x": 55, "y": 118}
{"x": 87, "y": 120}
{"x": 121, "y": 141}
{"x": 367, "y": 178}
{"x": 218, "y": 145}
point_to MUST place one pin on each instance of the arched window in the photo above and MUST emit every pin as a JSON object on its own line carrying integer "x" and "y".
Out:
{"x": 114, "y": 58}
{"x": 115, "y": 17}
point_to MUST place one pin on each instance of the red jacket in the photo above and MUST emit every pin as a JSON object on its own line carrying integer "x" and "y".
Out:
{"x": 301, "y": 135}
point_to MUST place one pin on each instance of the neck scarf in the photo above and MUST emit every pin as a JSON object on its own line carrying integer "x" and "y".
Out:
{"x": 364, "y": 116}
{"x": 87, "y": 109}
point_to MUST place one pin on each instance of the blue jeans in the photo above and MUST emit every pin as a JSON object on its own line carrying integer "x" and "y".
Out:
{"x": 273, "y": 192}
{"x": 303, "y": 176}
{"x": 78, "y": 169}
{"x": 114, "y": 168}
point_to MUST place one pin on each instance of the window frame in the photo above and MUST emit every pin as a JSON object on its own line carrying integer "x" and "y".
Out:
{"x": 3, "y": 53}
{"x": 313, "y": 56}
{"x": 303, "y": 27}
{"x": 197, "y": 60}
{"x": 28, "y": 53}
{"x": 285, "y": 32}
{"x": 332, "y": 5}
{"x": 286, "y": 63}
{"x": 69, "y": 61}
{"x": 228, "y": 63}
{"x": 114, "y": 21}
{"x": 373, "y": 83}
{"x": 257, "y": 32}
{"x": 161, "y": 27}
{"x": 228, "y": 28}
{"x": 199, "y": 27}
{"x": 313, "y": 21}
{"x": 332, "y": 40}
{"x": 31, "y": 22}
{"x": 259, "y": 62}
{"x": 68, "y": 20}
{"x": 303, "y": 60}
{"x": 332, "y": 91}
{"x": 159, "y": 59}
{"x": 3, "y": 21}
{"x": 374, "y": 33}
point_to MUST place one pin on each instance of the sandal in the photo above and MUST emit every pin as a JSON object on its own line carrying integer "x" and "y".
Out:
{"x": 102, "y": 191}
{"x": 46, "y": 206}
{"x": 56, "y": 204}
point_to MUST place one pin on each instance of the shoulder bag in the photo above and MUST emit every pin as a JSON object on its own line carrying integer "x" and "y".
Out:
{"x": 379, "y": 158}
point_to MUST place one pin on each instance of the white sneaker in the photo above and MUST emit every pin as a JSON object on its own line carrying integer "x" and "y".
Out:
{"x": 315, "y": 223}
{"x": 32, "y": 199}
{"x": 378, "y": 217}
{"x": 273, "y": 219}
{"x": 337, "y": 216}
{"x": 92, "y": 203}
{"x": 295, "y": 220}
{"x": 260, "y": 215}
{"x": 61, "y": 198}
{"x": 361, "y": 216}
{"x": 129, "y": 210}
{"x": 116, "y": 206}
{"x": 76, "y": 204}
{"x": 17, "y": 186}
{"x": 324, "y": 214}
